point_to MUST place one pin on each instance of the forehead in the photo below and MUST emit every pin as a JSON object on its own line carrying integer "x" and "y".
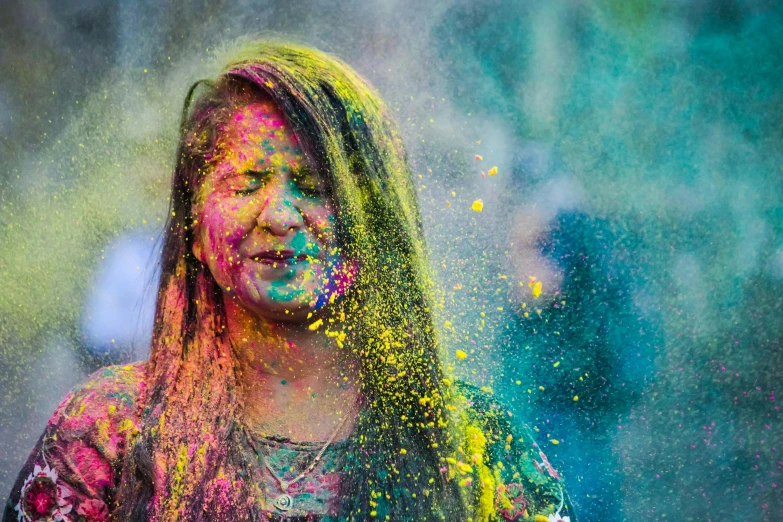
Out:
{"x": 255, "y": 122}
{"x": 255, "y": 135}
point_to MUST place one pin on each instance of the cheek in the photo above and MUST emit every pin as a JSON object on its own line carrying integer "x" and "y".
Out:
{"x": 222, "y": 228}
{"x": 322, "y": 222}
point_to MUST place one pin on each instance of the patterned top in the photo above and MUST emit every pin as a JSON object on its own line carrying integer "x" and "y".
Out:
{"x": 505, "y": 474}
{"x": 313, "y": 494}
{"x": 73, "y": 473}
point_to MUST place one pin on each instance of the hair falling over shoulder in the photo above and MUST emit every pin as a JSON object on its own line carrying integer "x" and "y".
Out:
{"x": 186, "y": 462}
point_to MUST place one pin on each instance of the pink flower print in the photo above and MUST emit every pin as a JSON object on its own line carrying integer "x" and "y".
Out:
{"x": 515, "y": 495}
{"x": 42, "y": 499}
{"x": 94, "y": 510}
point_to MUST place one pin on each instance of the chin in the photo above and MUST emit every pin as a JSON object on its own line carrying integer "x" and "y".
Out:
{"x": 293, "y": 316}
{"x": 294, "y": 311}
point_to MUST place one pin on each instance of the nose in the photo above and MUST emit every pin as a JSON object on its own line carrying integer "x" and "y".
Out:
{"x": 280, "y": 213}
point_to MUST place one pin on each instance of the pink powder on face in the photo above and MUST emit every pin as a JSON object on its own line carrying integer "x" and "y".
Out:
{"x": 262, "y": 114}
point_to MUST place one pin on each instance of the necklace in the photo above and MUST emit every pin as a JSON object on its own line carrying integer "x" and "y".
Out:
{"x": 284, "y": 501}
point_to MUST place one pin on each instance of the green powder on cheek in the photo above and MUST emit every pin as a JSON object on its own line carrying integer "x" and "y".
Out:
{"x": 282, "y": 291}
{"x": 299, "y": 242}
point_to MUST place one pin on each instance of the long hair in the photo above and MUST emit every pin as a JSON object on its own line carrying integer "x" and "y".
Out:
{"x": 185, "y": 463}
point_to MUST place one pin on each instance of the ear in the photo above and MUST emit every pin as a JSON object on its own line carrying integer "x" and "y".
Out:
{"x": 198, "y": 247}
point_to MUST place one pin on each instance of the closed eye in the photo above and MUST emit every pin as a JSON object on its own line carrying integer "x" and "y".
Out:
{"x": 307, "y": 183}
{"x": 248, "y": 182}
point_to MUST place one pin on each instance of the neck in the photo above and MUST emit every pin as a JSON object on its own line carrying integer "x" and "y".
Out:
{"x": 276, "y": 350}
{"x": 294, "y": 381}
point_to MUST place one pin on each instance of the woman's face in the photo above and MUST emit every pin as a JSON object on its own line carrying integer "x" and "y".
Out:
{"x": 264, "y": 227}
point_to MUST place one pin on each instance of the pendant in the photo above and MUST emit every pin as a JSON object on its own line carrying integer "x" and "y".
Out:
{"x": 283, "y": 502}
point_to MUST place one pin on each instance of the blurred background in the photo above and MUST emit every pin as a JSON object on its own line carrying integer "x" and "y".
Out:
{"x": 619, "y": 291}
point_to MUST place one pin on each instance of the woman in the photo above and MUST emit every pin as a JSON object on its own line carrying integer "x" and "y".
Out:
{"x": 294, "y": 372}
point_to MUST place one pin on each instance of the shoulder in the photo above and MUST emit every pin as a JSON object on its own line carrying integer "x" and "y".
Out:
{"x": 478, "y": 406}
{"x": 102, "y": 410}
{"x": 499, "y": 463}
{"x": 76, "y": 465}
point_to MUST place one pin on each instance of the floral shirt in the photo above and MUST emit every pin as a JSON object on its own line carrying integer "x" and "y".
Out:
{"x": 73, "y": 473}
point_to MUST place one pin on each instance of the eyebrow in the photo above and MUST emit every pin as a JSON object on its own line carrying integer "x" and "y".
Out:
{"x": 257, "y": 173}
{"x": 303, "y": 169}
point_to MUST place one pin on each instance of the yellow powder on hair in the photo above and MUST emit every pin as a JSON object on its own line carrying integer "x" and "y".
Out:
{"x": 476, "y": 445}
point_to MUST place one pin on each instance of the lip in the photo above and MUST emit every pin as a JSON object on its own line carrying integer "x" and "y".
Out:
{"x": 278, "y": 257}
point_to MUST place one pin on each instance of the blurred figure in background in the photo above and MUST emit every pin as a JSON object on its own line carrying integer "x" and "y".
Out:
{"x": 578, "y": 349}
{"x": 118, "y": 313}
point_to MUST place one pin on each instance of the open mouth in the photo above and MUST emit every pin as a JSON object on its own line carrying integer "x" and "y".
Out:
{"x": 279, "y": 258}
